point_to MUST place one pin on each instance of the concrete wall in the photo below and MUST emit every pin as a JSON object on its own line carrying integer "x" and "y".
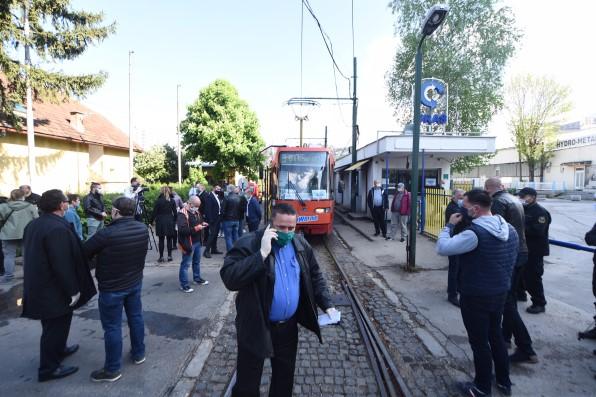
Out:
{"x": 61, "y": 164}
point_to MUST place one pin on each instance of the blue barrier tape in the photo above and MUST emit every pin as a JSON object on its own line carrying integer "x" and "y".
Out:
{"x": 571, "y": 245}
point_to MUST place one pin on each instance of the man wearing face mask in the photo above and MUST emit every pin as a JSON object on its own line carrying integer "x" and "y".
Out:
{"x": 455, "y": 206}
{"x": 57, "y": 281}
{"x": 190, "y": 234}
{"x": 487, "y": 252}
{"x": 94, "y": 209}
{"x": 279, "y": 285}
{"x": 377, "y": 203}
{"x": 400, "y": 210}
{"x": 213, "y": 216}
{"x": 537, "y": 223}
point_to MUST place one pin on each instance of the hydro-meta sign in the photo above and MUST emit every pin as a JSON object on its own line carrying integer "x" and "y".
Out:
{"x": 434, "y": 99}
{"x": 566, "y": 143}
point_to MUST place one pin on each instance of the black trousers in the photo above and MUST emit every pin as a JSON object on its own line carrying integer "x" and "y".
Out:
{"x": 378, "y": 214}
{"x": 513, "y": 325}
{"x": 211, "y": 244}
{"x": 252, "y": 226}
{"x": 482, "y": 319}
{"x": 250, "y": 367}
{"x": 533, "y": 279}
{"x": 54, "y": 335}
{"x": 452, "y": 276}
{"x": 170, "y": 243}
{"x": 1, "y": 260}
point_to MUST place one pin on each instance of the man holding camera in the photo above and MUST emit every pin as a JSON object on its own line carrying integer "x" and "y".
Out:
{"x": 135, "y": 192}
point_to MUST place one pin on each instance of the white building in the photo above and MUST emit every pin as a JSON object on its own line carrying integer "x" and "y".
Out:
{"x": 391, "y": 155}
{"x": 572, "y": 167}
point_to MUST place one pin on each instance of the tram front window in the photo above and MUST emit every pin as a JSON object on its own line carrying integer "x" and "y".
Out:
{"x": 303, "y": 176}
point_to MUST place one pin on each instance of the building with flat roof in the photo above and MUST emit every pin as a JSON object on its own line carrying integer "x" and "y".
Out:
{"x": 387, "y": 159}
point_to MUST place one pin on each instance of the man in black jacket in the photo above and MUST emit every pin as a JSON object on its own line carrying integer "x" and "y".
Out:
{"x": 121, "y": 249}
{"x": 509, "y": 207}
{"x": 454, "y": 207}
{"x": 190, "y": 231}
{"x": 213, "y": 215}
{"x": 590, "y": 238}
{"x": 279, "y": 284}
{"x": 537, "y": 223}
{"x": 57, "y": 281}
{"x": 378, "y": 203}
{"x": 241, "y": 210}
{"x": 232, "y": 212}
{"x": 94, "y": 209}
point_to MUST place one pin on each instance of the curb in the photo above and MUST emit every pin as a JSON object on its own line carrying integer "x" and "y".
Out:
{"x": 344, "y": 220}
{"x": 186, "y": 383}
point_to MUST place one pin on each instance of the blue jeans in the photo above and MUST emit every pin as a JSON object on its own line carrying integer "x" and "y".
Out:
{"x": 482, "y": 318}
{"x": 110, "y": 313}
{"x": 230, "y": 229}
{"x": 93, "y": 226}
{"x": 195, "y": 255}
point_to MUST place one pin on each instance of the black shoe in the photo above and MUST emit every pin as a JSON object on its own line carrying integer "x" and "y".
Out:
{"x": 186, "y": 289}
{"x": 161, "y": 260}
{"x": 469, "y": 389}
{"x": 454, "y": 300}
{"x": 206, "y": 254}
{"x": 60, "y": 372}
{"x": 535, "y": 309}
{"x": 504, "y": 390}
{"x": 519, "y": 357}
{"x": 522, "y": 298}
{"x": 69, "y": 351}
{"x": 402, "y": 240}
{"x": 591, "y": 334}
{"x": 376, "y": 234}
{"x": 170, "y": 259}
{"x": 201, "y": 282}
{"x": 216, "y": 252}
{"x": 101, "y": 375}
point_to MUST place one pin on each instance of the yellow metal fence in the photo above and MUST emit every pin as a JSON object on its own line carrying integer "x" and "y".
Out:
{"x": 435, "y": 203}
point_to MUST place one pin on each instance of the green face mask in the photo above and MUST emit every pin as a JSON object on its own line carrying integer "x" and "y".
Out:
{"x": 283, "y": 238}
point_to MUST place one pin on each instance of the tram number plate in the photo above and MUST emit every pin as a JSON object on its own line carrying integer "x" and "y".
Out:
{"x": 311, "y": 218}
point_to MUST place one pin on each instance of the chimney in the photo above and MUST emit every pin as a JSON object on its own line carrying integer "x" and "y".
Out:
{"x": 76, "y": 121}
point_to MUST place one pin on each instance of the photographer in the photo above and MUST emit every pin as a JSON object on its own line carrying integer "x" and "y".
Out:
{"x": 135, "y": 192}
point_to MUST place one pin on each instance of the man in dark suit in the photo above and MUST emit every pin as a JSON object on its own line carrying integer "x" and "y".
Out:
{"x": 213, "y": 214}
{"x": 253, "y": 210}
{"x": 57, "y": 281}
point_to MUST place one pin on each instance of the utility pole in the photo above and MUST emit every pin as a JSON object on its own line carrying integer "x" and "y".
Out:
{"x": 130, "y": 143}
{"x": 354, "y": 173}
{"x": 29, "y": 95}
{"x": 178, "y": 134}
{"x": 325, "y": 136}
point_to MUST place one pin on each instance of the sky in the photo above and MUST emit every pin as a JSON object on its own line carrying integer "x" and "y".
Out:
{"x": 256, "y": 46}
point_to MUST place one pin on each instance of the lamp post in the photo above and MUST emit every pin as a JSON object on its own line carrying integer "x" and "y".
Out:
{"x": 130, "y": 141}
{"x": 301, "y": 108}
{"x": 178, "y": 135}
{"x": 433, "y": 19}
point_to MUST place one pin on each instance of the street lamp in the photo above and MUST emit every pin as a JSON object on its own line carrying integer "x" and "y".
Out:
{"x": 301, "y": 108}
{"x": 434, "y": 17}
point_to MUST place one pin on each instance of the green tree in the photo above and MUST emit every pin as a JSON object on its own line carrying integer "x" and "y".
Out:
{"x": 171, "y": 164}
{"x": 220, "y": 127}
{"x": 535, "y": 106}
{"x": 469, "y": 53}
{"x": 151, "y": 165}
{"x": 57, "y": 32}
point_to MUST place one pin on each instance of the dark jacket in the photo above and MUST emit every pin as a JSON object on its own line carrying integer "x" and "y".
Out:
{"x": 452, "y": 208}
{"x": 591, "y": 240}
{"x": 242, "y": 209}
{"x": 33, "y": 198}
{"x": 213, "y": 211}
{"x": 55, "y": 269}
{"x": 232, "y": 208}
{"x": 537, "y": 223}
{"x": 203, "y": 197}
{"x": 245, "y": 271}
{"x": 509, "y": 207}
{"x": 93, "y": 206}
{"x": 190, "y": 229}
{"x": 121, "y": 248}
{"x": 370, "y": 199}
{"x": 254, "y": 211}
{"x": 487, "y": 269}
{"x": 164, "y": 215}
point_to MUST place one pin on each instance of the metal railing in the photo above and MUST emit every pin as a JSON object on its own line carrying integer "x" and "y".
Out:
{"x": 433, "y": 204}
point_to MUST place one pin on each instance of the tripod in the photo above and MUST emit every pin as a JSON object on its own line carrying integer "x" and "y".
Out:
{"x": 142, "y": 216}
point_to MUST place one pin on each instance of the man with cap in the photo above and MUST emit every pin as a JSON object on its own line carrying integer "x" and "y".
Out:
{"x": 400, "y": 211}
{"x": 537, "y": 221}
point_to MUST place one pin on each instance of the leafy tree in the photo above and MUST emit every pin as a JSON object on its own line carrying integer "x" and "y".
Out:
{"x": 535, "y": 105}
{"x": 469, "y": 53}
{"x": 151, "y": 165}
{"x": 196, "y": 174}
{"x": 57, "y": 32}
{"x": 171, "y": 164}
{"x": 220, "y": 127}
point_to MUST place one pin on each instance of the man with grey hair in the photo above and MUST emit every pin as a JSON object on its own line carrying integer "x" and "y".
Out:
{"x": 400, "y": 212}
{"x": 454, "y": 207}
{"x": 30, "y": 197}
{"x": 378, "y": 202}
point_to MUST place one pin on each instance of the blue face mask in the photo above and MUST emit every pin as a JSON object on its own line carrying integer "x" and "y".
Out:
{"x": 460, "y": 203}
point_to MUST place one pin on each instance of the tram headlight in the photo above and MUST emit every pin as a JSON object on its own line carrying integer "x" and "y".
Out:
{"x": 322, "y": 210}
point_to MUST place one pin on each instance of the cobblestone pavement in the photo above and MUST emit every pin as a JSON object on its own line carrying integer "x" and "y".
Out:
{"x": 341, "y": 366}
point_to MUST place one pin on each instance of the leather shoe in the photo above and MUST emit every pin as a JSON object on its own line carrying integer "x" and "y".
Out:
{"x": 206, "y": 254}
{"x": 60, "y": 372}
{"x": 70, "y": 350}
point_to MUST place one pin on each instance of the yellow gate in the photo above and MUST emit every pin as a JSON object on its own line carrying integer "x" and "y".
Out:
{"x": 436, "y": 200}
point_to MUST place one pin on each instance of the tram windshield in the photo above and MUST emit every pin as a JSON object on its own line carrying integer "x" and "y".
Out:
{"x": 303, "y": 176}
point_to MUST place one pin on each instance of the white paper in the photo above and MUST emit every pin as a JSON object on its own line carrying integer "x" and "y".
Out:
{"x": 326, "y": 319}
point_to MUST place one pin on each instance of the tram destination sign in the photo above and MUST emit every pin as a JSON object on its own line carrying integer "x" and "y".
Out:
{"x": 567, "y": 143}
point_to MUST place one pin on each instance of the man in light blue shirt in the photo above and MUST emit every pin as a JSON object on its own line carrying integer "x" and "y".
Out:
{"x": 72, "y": 216}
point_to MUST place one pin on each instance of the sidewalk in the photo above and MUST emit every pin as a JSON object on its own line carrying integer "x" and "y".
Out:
{"x": 175, "y": 324}
{"x": 562, "y": 356}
